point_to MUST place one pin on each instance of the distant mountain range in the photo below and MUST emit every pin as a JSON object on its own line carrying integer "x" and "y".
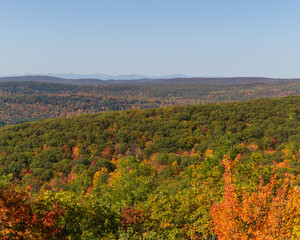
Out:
{"x": 111, "y": 77}
{"x": 103, "y": 76}
{"x": 50, "y": 79}
{"x": 150, "y": 81}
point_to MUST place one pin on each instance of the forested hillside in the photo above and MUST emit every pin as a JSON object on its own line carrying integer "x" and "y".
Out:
{"x": 147, "y": 80}
{"x": 182, "y": 172}
{"x": 29, "y": 101}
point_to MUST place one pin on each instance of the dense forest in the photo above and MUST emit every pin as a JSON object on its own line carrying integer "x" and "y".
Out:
{"x": 208, "y": 171}
{"x": 29, "y": 101}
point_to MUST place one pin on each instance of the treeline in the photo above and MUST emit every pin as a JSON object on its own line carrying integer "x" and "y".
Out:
{"x": 177, "y": 172}
{"x": 29, "y": 101}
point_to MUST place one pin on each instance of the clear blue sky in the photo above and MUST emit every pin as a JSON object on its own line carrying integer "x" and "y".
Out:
{"x": 153, "y": 37}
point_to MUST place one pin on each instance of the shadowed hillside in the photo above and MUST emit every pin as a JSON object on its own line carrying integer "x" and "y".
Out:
{"x": 28, "y": 101}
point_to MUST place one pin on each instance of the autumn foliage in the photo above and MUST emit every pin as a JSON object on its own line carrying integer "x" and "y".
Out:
{"x": 134, "y": 218}
{"x": 155, "y": 173}
{"x": 272, "y": 211}
{"x": 18, "y": 219}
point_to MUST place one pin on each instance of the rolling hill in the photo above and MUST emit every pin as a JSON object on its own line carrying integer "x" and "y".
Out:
{"x": 147, "y": 81}
{"x": 159, "y": 173}
{"x": 28, "y": 101}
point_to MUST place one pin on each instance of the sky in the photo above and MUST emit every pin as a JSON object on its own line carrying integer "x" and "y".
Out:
{"x": 151, "y": 37}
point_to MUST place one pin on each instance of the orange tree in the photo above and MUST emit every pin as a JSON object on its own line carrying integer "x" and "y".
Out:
{"x": 272, "y": 211}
